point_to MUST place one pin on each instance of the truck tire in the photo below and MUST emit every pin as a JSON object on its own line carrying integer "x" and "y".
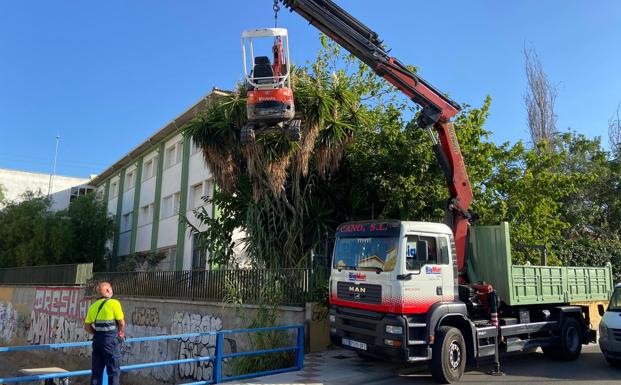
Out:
{"x": 448, "y": 358}
{"x": 570, "y": 345}
{"x": 614, "y": 362}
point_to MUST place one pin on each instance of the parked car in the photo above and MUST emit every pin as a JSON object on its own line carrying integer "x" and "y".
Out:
{"x": 610, "y": 328}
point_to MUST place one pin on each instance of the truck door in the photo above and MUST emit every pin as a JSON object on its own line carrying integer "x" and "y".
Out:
{"x": 448, "y": 262}
{"x": 433, "y": 279}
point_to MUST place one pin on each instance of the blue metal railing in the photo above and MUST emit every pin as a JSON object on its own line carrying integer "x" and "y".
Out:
{"x": 217, "y": 376}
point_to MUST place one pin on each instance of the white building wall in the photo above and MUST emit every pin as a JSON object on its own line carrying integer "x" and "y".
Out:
{"x": 167, "y": 234}
{"x": 198, "y": 175}
{"x": 167, "y": 220}
{"x": 124, "y": 242}
{"x": 147, "y": 198}
{"x": 171, "y": 184}
{"x": 15, "y": 183}
{"x": 143, "y": 237}
{"x": 113, "y": 195}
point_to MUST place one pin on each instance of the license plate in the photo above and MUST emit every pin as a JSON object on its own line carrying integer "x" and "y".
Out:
{"x": 354, "y": 344}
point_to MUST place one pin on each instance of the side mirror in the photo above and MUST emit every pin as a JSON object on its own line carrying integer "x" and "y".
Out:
{"x": 421, "y": 250}
{"x": 601, "y": 310}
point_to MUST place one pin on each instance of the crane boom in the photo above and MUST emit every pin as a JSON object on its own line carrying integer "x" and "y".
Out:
{"x": 437, "y": 108}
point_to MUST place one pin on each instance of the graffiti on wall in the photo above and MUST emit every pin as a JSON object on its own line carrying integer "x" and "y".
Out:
{"x": 183, "y": 322}
{"x": 57, "y": 316}
{"x": 145, "y": 316}
{"x": 151, "y": 351}
{"x": 8, "y": 321}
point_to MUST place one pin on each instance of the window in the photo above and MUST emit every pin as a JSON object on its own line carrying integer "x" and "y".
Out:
{"x": 146, "y": 215}
{"x": 168, "y": 263}
{"x": 100, "y": 194}
{"x": 444, "y": 250}
{"x": 130, "y": 180}
{"x": 208, "y": 188}
{"x": 199, "y": 256}
{"x": 366, "y": 253}
{"x": 126, "y": 222}
{"x": 413, "y": 259}
{"x": 149, "y": 168}
{"x": 174, "y": 153}
{"x": 201, "y": 192}
{"x": 615, "y": 301}
{"x": 170, "y": 205}
{"x": 80, "y": 191}
{"x": 197, "y": 195}
{"x": 114, "y": 189}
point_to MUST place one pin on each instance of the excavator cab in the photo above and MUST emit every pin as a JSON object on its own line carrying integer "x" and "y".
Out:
{"x": 270, "y": 99}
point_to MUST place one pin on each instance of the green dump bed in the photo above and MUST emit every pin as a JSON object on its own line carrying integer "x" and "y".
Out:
{"x": 490, "y": 261}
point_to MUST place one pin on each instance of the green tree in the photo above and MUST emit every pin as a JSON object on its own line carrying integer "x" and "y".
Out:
{"x": 367, "y": 159}
{"x": 31, "y": 234}
{"x": 2, "y": 194}
{"x": 23, "y": 231}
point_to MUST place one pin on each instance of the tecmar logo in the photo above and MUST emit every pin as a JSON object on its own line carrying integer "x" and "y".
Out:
{"x": 357, "y": 276}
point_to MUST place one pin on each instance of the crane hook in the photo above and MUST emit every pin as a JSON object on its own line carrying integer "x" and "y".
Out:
{"x": 276, "y": 8}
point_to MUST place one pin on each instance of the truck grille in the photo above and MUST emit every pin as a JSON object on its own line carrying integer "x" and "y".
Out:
{"x": 362, "y": 292}
{"x": 359, "y": 324}
{"x": 616, "y": 334}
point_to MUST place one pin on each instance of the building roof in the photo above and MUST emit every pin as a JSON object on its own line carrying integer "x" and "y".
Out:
{"x": 163, "y": 133}
{"x": 10, "y": 171}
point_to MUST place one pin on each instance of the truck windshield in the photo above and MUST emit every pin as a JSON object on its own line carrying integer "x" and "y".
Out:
{"x": 366, "y": 253}
{"x": 615, "y": 301}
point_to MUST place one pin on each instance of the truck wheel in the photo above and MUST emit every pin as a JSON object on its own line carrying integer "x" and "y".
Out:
{"x": 448, "y": 358}
{"x": 614, "y": 362}
{"x": 550, "y": 351}
{"x": 570, "y": 344}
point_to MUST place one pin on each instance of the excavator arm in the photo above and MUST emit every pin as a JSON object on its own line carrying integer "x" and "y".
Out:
{"x": 437, "y": 109}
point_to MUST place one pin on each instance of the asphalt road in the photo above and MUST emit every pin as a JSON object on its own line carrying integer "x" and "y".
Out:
{"x": 343, "y": 367}
{"x": 533, "y": 368}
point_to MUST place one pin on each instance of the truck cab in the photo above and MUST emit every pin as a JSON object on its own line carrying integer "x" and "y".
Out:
{"x": 386, "y": 276}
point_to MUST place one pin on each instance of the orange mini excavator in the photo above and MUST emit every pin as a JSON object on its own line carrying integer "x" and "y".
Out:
{"x": 270, "y": 105}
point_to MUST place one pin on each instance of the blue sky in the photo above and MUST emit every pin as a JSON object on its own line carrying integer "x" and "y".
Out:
{"x": 105, "y": 75}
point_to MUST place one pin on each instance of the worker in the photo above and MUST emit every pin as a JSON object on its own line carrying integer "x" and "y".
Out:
{"x": 105, "y": 321}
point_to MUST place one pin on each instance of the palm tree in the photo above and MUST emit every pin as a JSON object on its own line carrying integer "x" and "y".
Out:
{"x": 277, "y": 183}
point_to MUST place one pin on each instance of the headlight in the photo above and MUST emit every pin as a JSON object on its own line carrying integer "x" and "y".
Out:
{"x": 394, "y": 329}
{"x": 332, "y": 318}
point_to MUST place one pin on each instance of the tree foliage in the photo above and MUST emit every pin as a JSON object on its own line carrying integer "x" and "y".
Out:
{"x": 2, "y": 194}
{"x": 540, "y": 100}
{"x": 31, "y": 234}
{"x": 381, "y": 166}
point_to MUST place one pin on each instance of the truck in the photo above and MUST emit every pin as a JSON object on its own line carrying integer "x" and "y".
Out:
{"x": 395, "y": 294}
{"x": 443, "y": 293}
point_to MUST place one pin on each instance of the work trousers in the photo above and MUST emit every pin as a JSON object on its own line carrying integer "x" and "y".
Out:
{"x": 106, "y": 354}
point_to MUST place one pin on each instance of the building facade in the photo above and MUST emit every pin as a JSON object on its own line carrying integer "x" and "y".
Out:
{"x": 151, "y": 192}
{"x": 61, "y": 189}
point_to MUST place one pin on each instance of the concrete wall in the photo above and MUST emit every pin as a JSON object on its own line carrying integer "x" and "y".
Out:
{"x": 41, "y": 315}
{"x": 16, "y": 183}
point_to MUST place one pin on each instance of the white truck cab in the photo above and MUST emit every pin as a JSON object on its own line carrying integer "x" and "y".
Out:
{"x": 610, "y": 328}
{"x": 386, "y": 277}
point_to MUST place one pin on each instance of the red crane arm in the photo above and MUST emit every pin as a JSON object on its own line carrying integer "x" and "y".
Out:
{"x": 437, "y": 109}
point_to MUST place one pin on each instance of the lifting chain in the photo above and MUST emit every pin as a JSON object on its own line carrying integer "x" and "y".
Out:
{"x": 276, "y": 8}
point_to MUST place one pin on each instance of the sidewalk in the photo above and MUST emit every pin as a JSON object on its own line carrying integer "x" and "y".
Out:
{"x": 336, "y": 366}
